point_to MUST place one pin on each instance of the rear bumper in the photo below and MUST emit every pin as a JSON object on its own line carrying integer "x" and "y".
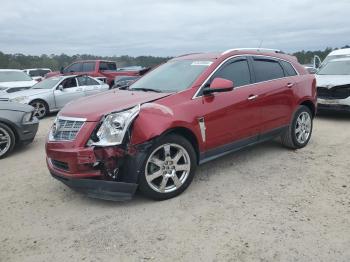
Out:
{"x": 101, "y": 189}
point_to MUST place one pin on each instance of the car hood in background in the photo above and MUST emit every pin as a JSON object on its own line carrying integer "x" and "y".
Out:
{"x": 93, "y": 107}
{"x": 17, "y": 84}
{"x": 330, "y": 81}
{"x": 13, "y": 106}
{"x": 29, "y": 92}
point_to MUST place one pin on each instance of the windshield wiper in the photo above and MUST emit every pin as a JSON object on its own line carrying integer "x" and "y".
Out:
{"x": 146, "y": 89}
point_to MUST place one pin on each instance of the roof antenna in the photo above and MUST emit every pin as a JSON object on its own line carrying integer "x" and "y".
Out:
{"x": 261, "y": 42}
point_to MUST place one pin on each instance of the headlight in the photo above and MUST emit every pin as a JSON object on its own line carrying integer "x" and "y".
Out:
{"x": 114, "y": 127}
{"x": 21, "y": 99}
{"x": 27, "y": 117}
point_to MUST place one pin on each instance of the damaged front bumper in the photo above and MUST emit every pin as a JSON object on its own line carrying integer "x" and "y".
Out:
{"x": 109, "y": 173}
{"x": 334, "y": 104}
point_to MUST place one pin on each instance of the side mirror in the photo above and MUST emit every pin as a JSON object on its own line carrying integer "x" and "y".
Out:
{"x": 317, "y": 61}
{"x": 60, "y": 87}
{"x": 218, "y": 85}
{"x": 62, "y": 70}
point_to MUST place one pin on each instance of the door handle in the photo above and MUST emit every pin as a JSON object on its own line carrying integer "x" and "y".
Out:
{"x": 289, "y": 85}
{"x": 252, "y": 97}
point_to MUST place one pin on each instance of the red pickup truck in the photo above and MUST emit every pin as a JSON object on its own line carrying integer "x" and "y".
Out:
{"x": 105, "y": 70}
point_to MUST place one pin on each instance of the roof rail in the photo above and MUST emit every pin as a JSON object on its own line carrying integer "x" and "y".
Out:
{"x": 254, "y": 49}
{"x": 188, "y": 54}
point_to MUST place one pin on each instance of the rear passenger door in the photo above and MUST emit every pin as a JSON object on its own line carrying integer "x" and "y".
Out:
{"x": 275, "y": 92}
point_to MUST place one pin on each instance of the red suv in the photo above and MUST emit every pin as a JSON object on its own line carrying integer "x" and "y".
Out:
{"x": 186, "y": 112}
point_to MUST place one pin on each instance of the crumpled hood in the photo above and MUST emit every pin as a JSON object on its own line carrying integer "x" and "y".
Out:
{"x": 29, "y": 92}
{"x": 13, "y": 106}
{"x": 330, "y": 81}
{"x": 94, "y": 107}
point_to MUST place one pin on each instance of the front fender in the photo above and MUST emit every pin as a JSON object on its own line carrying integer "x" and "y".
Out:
{"x": 155, "y": 119}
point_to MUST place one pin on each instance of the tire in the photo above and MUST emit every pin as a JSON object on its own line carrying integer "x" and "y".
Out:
{"x": 163, "y": 177}
{"x": 7, "y": 140}
{"x": 300, "y": 130}
{"x": 41, "y": 108}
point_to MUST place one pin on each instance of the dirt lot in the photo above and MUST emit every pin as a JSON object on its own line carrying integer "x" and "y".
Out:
{"x": 265, "y": 203}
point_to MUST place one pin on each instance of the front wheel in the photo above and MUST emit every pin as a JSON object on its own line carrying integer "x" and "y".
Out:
{"x": 40, "y": 108}
{"x": 7, "y": 140}
{"x": 300, "y": 129}
{"x": 168, "y": 169}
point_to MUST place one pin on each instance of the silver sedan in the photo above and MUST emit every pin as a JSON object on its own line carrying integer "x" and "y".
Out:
{"x": 51, "y": 94}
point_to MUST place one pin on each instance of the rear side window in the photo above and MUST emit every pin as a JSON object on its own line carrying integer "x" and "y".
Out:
{"x": 288, "y": 68}
{"x": 86, "y": 81}
{"x": 74, "y": 68}
{"x": 88, "y": 67}
{"x": 236, "y": 71}
{"x": 267, "y": 69}
{"x": 108, "y": 66}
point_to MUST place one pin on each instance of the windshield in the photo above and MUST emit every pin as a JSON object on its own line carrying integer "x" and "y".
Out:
{"x": 12, "y": 76}
{"x": 47, "y": 83}
{"x": 332, "y": 57}
{"x": 172, "y": 76}
{"x": 335, "y": 68}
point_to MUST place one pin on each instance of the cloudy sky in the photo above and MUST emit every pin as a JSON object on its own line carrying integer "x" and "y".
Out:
{"x": 170, "y": 27}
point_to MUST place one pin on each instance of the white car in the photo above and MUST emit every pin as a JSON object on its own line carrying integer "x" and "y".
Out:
{"x": 13, "y": 80}
{"x": 333, "y": 85}
{"x": 53, "y": 93}
{"x": 37, "y": 74}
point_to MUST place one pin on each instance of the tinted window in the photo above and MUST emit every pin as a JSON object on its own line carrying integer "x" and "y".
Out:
{"x": 70, "y": 82}
{"x": 74, "y": 68}
{"x": 88, "y": 67}
{"x": 108, "y": 66}
{"x": 288, "y": 68}
{"x": 237, "y": 72}
{"x": 86, "y": 81}
{"x": 38, "y": 72}
{"x": 266, "y": 69}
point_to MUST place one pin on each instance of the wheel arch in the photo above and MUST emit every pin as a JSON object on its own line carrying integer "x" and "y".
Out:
{"x": 187, "y": 134}
{"x": 41, "y": 100}
{"x": 309, "y": 104}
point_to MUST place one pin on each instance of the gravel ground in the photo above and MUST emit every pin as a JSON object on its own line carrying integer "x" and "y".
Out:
{"x": 265, "y": 203}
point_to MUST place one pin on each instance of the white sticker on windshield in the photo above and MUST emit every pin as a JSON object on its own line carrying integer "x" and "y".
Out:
{"x": 201, "y": 63}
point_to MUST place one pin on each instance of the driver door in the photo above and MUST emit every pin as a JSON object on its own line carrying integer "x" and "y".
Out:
{"x": 70, "y": 91}
{"x": 231, "y": 119}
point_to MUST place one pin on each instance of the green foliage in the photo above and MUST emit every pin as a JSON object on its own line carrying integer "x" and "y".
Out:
{"x": 55, "y": 62}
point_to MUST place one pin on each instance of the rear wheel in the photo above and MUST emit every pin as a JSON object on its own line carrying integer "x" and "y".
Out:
{"x": 41, "y": 108}
{"x": 7, "y": 140}
{"x": 299, "y": 132}
{"x": 168, "y": 169}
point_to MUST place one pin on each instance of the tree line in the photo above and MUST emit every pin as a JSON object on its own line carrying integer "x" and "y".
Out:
{"x": 55, "y": 62}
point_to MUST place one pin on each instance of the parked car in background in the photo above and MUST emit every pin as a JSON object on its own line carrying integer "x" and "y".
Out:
{"x": 340, "y": 53}
{"x": 18, "y": 126}
{"x": 186, "y": 112}
{"x": 124, "y": 81}
{"x": 310, "y": 68}
{"x": 13, "y": 80}
{"x": 37, "y": 74}
{"x": 51, "y": 94}
{"x": 333, "y": 85}
{"x": 99, "y": 68}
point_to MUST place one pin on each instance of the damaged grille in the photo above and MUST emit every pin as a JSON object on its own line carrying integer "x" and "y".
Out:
{"x": 66, "y": 130}
{"x": 336, "y": 92}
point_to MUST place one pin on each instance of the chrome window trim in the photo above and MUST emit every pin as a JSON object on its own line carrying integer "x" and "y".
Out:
{"x": 246, "y": 55}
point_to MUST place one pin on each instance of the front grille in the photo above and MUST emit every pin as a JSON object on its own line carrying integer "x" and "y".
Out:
{"x": 60, "y": 164}
{"x": 65, "y": 129}
{"x": 4, "y": 99}
{"x": 337, "y": 92}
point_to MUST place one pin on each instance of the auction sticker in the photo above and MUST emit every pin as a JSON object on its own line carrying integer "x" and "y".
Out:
{"x": 201, "y": 63}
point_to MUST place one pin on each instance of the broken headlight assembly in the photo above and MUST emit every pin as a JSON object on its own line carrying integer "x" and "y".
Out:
{"x": 113, "y": 127}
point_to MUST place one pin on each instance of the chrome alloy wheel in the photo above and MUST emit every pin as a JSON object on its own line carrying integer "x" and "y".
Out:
{"x": 167, "y": 168}
{"x": 39, "y": 109}
{"x": 5, "y": 141}
{"x": 303, "y": 127}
